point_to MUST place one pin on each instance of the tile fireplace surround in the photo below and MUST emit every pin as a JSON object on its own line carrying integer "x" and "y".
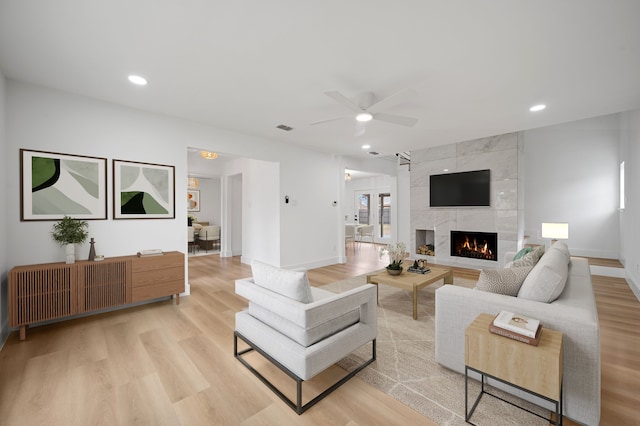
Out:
{"x": 500, "y": 154}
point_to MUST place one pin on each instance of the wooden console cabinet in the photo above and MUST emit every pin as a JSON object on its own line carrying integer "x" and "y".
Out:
{"x": 50, "y": 291}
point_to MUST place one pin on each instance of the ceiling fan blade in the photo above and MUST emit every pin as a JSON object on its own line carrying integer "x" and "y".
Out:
{"x": 341, "y": 99}
{"x": 392, "y": 100}
{"x": 329, "y": 120}
{"x": 396, "y": 119}
{"x": 361, "y": 127}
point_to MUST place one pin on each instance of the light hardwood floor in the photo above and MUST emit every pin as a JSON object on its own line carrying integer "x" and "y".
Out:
{"x": 165, "y": 364}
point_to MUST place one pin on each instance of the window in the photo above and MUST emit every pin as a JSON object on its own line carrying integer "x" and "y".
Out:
{"x": 385, "y": 215}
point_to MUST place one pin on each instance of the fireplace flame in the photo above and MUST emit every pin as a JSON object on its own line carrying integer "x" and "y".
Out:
{"x": 474, "y": 247}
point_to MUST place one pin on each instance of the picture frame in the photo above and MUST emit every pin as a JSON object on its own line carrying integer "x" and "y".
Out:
{"x": 54, "y": 185}
{"x": 143, "y": 190}
{"x": 193, "y": 200}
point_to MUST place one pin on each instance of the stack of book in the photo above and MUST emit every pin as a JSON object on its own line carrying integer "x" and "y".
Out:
{"x": 517, "y": 327}
{"x": 152, "y": 252}
{"x": 419, "y": 270}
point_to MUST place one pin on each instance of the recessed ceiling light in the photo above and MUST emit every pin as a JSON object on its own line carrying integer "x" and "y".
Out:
{"x": 366, "y": 146}
{"x": 536, "y": 108}
{"x": 364, "y": 116}
{"x": 445, "y": 170}
{"x": 136, "y": 79}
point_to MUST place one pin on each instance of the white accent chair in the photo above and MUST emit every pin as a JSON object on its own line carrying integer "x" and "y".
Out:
{"x": 366, "y": 231}
{"x": 208, "y": 236}
{"x": 349, "y": 234}
{"x": 301, "y": 329}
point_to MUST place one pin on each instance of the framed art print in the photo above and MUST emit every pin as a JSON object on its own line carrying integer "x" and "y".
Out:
{"x": 143, "y": 191}
{"x": 193, "y": 200}
{"x": 54, "y": 185}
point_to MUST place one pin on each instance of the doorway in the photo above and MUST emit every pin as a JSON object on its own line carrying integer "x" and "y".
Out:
{"x": 373, "y": 207}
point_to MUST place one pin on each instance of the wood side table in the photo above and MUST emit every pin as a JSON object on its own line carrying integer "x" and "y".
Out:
{"x": 534, "y": 369}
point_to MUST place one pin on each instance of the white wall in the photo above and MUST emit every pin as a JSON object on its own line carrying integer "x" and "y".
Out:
{"x": 629, "y": 226}
{"x": 4, "y": 211}
{"x": 257, "y": 211}
{"x": 44, "y": 119}
{"x": 571, "y": 175}
{"x": 47, "y": 120}
{"x": 403, "y": 203}
{"x": 312, "y": 183}
{"x": 210, "y": 200}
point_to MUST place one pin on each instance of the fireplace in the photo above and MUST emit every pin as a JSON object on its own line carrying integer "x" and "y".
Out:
{"x": 475, "y": 245}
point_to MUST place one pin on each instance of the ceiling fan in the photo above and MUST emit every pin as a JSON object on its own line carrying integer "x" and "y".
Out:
{"x": 367, "y": 108}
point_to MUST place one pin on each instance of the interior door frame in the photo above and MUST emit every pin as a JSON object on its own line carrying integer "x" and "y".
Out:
{"x": 374, "y": 210}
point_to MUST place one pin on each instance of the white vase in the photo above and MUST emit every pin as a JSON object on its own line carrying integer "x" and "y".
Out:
{"x": 71, "y": 253}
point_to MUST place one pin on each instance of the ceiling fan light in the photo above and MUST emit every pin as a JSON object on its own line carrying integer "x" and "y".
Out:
{"x": 364, "y": 117}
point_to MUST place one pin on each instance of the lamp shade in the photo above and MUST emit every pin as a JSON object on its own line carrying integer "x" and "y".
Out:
{"x": 556, "y": 231}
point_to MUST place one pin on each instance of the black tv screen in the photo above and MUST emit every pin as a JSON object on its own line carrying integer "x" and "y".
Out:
{"x": 465, "y": 189}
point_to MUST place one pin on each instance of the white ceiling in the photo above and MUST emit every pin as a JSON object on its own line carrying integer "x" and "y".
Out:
{"x": 476, "y": 66}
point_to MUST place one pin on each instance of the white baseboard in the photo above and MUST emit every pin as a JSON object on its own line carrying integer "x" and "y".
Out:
{"x": 313, "y": 265}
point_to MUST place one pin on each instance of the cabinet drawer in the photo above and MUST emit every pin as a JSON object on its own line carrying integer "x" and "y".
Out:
{"x": 167, "y": 260}
{"x": 154, "y": 291}
{"x": 157, "y": 276}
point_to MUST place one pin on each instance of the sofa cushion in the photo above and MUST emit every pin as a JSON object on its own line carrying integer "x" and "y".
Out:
{"x": 562, "y": 247}
{"x": 292, "y": 284}
{"x": 304, "y": 336}
{"x": 503, "y": 281}
{"x": 547, "y": 279}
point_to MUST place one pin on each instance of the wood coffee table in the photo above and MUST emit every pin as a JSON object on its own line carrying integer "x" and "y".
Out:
{"x": 412, "y": 282}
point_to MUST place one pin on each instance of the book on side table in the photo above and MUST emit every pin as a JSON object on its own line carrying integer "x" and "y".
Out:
{"x": 517, "y": 327}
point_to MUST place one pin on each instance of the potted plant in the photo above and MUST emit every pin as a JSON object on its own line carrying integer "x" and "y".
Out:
{"x": 397, "y": 252}
{"x": 69, "y": 232}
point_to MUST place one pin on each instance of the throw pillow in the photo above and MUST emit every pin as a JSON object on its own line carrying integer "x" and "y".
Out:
{"x": 538, "y": 252}
{"x": 292, "y": 284}
{"x": 522, "y": 252}
{"x": 547, "y": 279}
{"x": 503, "y": 281}
{"x": 529, "y": 259}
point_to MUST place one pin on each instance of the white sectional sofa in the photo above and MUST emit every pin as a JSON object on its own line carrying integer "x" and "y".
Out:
{"x": 573, "y": 313}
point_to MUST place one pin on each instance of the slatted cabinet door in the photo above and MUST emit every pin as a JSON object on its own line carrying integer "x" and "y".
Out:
{"x": 40, "y": 293}
{"x": 104, "y": 284}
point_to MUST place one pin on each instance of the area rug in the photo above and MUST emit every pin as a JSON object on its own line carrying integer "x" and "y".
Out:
{"x": 406, "y": 369}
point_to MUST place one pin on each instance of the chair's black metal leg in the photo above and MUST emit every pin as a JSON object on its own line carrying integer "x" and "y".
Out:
{"x": 298, "y": 407}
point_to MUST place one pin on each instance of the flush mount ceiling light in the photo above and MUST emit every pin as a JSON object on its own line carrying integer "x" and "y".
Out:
{"x": 207, "y": 155}
{"x": 364, "y": 117}
{"x": 136, "y": 79}
{"x": 192, "y": 182}
{"x": 537, "y": 108}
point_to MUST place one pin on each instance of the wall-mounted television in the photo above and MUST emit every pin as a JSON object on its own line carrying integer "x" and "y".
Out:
{"x": 464, "y": 189}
